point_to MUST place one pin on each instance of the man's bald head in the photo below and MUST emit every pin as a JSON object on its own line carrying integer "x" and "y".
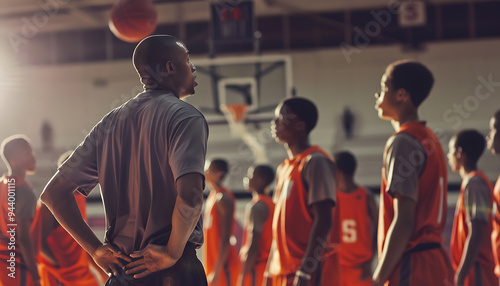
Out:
{"x": 155, "y": 51}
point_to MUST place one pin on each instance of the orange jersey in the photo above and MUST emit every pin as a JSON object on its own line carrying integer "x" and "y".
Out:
{"x": 495, "y": 234}
{"x": 355, "y": 227}
{"x": 211, "y": 228}
{"x": 432, "y": 192}
{"x": 10, "y": 254}
{"x": 461, "y": 230}
{"x": 264, "y": 243}
{"x": 266, "y": 235}
{"x": 72, "y": 261}
{"x": 292, "y": 222}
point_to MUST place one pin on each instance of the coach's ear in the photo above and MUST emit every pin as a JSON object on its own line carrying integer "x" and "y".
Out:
{"x": 170, "y": 67}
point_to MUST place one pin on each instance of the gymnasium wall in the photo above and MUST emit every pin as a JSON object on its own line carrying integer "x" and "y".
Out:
{"x": 74, "y": 97}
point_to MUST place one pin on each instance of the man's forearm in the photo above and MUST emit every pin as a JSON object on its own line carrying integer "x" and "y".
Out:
{"x": 252, "y": 255}
{"x": 187, "y": 211}
{"x": 317, "y": 242}
{"x": 184, "y": 219}
{"x": 223, "y": 257}
{"x": 59, "y": 198}
{"x": 397, "y": 238}
{"x": 471, "y": 249}
{"x": 68, "y": 215}
{"x": 28, "y": 253}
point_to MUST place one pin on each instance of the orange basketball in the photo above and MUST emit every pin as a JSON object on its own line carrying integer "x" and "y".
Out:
{"x": 133, "y": 20}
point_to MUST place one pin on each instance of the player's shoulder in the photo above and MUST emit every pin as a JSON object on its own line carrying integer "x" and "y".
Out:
{"x": 318, "y": 157}
{"x": 224, "y": 196}
{"x": 405, "y": 142}
{"x": 477, "y": 182}
{"x": 180, "y": 108}
{"x": 365, "y": 191}
{"x": 24, "y": 192}
{"x": 259, "y": 206}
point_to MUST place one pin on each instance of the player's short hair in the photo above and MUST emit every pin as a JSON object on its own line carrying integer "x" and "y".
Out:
{"x": 413, "y": 77}
{"x": 12, "y": 145}
{"x": 472, "y": 143}
{"x": 220, "y": 165}
{"x": 305, "y": 110}
{"x": 345, "y": 162}
{"x": 265, "y": 172}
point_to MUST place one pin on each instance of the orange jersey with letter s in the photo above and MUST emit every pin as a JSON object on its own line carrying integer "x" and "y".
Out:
{"x": 355, "y": 227}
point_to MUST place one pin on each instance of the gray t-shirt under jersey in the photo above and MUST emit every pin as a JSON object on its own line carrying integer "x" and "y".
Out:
{"x": 404, "y": 164}
{"x": 477, "y": 199}
{"x": 136, "y": 153}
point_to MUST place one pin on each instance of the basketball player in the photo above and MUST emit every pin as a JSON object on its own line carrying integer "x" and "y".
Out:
{"x": 305, "y": 196}
{"x": 257, "y": 236}
{"x": 63, "y": 261}
{"x": 470, "y": 245}
{"x": 356, "y": 220}
{"x": 493, "y": 141}
{"x": 148, "y": 157}
{"x": 220, "y": 257}
{"x": 413, "y": 194}
{"x": 19, "y": 215}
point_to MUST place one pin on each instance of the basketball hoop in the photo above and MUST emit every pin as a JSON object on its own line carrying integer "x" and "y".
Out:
{"x": 235, "y": 115}
{"x": 237, "y": 111}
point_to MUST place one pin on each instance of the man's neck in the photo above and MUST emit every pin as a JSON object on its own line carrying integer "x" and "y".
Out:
{"x": 406, "y": 116}
{"x": 20, "y": 173}
{"x": 256, "y": 193}
{"x": 466, "y": 169}
{"x": 347, "y": 185}
{"x": 297, "y": 147}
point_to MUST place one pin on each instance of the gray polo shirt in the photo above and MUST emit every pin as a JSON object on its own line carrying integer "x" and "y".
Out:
{"x": 136, "y": 153}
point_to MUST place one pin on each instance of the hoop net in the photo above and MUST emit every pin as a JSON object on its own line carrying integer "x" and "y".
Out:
{"x": 237, "y": 111}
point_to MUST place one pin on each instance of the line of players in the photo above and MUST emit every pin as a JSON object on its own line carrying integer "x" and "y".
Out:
{"x": 308, "y": 234}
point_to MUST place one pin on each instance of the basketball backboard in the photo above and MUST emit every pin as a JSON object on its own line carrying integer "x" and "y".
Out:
{"x": 258, "y": 81}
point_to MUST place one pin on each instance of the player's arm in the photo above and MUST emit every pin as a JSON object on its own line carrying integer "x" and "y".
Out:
{"x": 24, "y": 211}
{"x": 49, "y": 223}
{"x": 397, "y": 238}
{"x": 268, "y": 264}
{"x": 258, "y": 215}
{"x": 59, "y": 197}
{"x": 225, "y": 207}
{"x": 318, "y": 178}
{"x": 373, "y": 215}
{"x": 471, "y": 249}
{"x": 322, "y": 224}
{"x": 478, "y": 208}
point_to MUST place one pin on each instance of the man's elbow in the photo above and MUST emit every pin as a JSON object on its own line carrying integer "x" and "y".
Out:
{"x": 192, "y": 199}
{"x": 47, "y": 197}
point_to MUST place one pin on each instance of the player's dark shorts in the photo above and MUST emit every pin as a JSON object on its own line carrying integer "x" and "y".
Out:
{"x": 188, "y": 271}
{"x": 426, "y": 264}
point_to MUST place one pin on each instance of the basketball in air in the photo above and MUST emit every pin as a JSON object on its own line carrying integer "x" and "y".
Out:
{"x": 133, "y": 20}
